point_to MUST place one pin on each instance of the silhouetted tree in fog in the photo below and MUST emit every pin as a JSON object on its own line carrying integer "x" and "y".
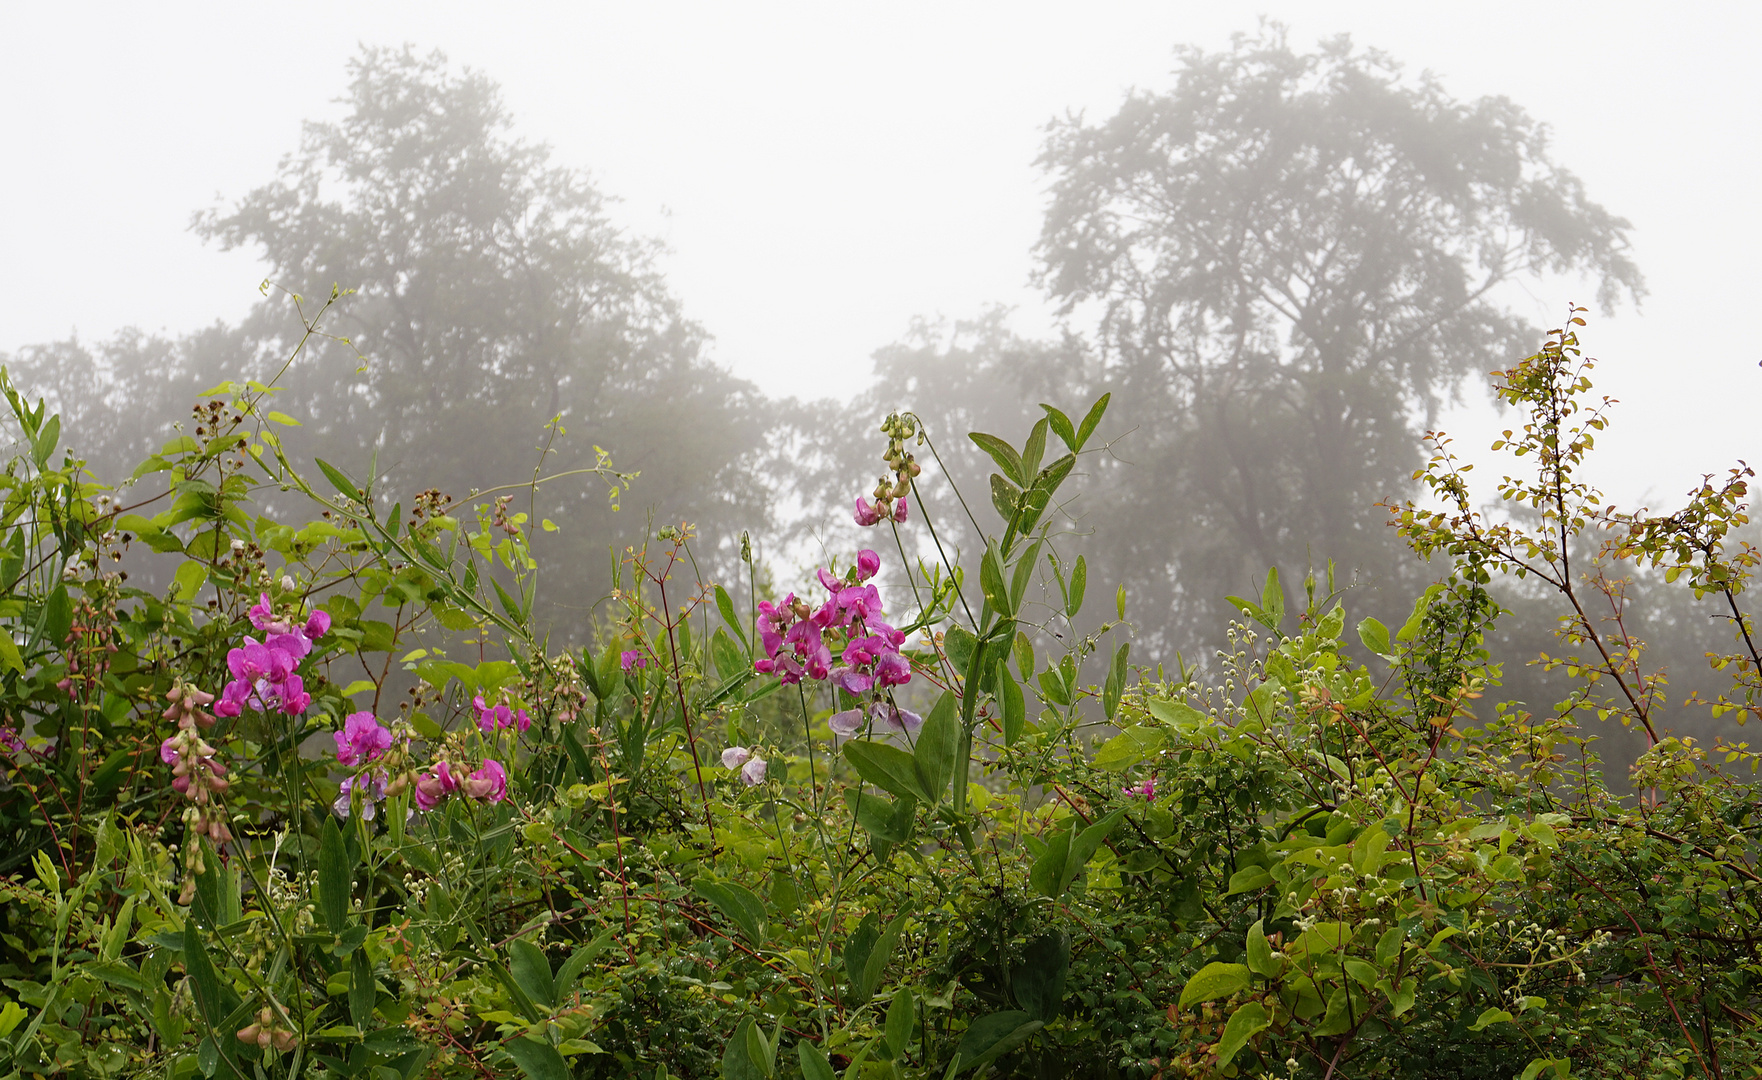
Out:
{"x": 493, "y": 293}
{"x": 1289, "y": 262}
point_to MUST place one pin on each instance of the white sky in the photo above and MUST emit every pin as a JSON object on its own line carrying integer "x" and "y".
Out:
{"x": 825, "y": 172}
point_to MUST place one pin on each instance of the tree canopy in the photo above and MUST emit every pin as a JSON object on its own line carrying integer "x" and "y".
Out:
{"x": 1288, "y": 262}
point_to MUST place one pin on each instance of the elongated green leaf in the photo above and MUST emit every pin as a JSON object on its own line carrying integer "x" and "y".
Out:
{"x": 43, "y": 446}
{"x": 1061, "y": 426}
{"x": 335, "y": 877}
{"x": 1272, "y": 599}
{"x": 814, "y": 1064}
{"x": 1013, "y": 706}
{"x": 730, "y": 659}
{"x": 1083, "y": 847}
{"x": 1244, "y": 1024}
{"x": 991, "y": 581}
{"x": 1005, "y": 498}
{"x": 938, "y": 742}
{"x": 1260, "y": 954}
{"x": 537, "y": 1060}
{"x": 362, "y": 990}
{"x": 741, "y": 905}
{"x": 880, "y": 956}
{"x": 992, "y": 1036}
{"x": 576, "y": 964}
{"x": 1087, "y": 427}
{"x": 215, "y": 998}
{"x": 1001, "y": 452}
{"x": 1213, "y": 981}
{"x": 532, "y": 970}
{"x": 725, "y": 608}
{"x": 1049, "y": 866}
{"x": 857, "y": 949}
{"x": 339, "y": 480}
{"x": 902, "y": 1017}
{"x": 1033, "y": 450}
{"x": 888, "y": 768}
{"x": 1079, "y": 584}
{"x": 1039, "y": 984}
{"x": 1179, "y": 713}
{"x": 882, "y": 818}
{"x": 1116, "y": 681}
{"x": 1023, "y": 575}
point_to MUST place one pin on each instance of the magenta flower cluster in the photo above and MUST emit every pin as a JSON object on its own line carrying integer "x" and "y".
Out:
{"x": 795, "y": 636}
{"x": 494, "y": 718}
{"x": 364, "y": 740}
{"x": 263, "y": 672}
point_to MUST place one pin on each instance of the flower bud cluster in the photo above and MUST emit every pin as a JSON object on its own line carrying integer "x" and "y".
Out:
{"x": 890, "y": 492}
{"x": 196, "y": 775}
{"x": 265, "y": 1033}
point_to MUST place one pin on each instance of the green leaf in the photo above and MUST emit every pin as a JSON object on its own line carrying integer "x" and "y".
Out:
{"x": 902, "y": 1016}
{"x": 879, "y": 956}
{"x": 576, "y": 964}
{"x": 335, "y": 876}
{"x": 10, "y": 657}
{"x": 1420, "y": 607}
{"x": 814, "y": 1065}
{"x": 1248, "y": 879}
{"x": 1084, "y": 846}
{"x": 1245, "y": 1022}
{"x": 960, "y": 643}
{"x": 994, "y": 1035}
{"x": 938, "y": 742}
{"x": 1489, "y": 1018}
{"x": 1562, "y": 1067}
{"x": 1079, "y": 583}
{"x": 881, "y": 818}
{"x": 532, "y": 970}
{"x": 47, "y": 439}
{"x": 741, "y": 905}
{"x": 1129, "y": 747}
{"x": 1033, "y": 451}
{"x": 1001, "y": 452}
{"x": 1006, "y": 498}
{"x": 725, "y": 607}
{"x": 188, "y": 581}
{"x": 1087, "y": 427}
{"x": 214, "y": 998}
{"x": 1049, "y": 866}
{"x": 340, "y": 480}
{"x": 1213, "y": 981}
{"x": 991, "y": 581}
{"x": 857, "y": 949}
{"x": 1039, "y": 984}
{"x": 1260, "y": 954}
{"x": 1061, "y": 426}
{"x": 1116, "y": 681}
{"x": 1023, "y": 576}
{"x": 887, "y": 767}
{"x": 1374, "y": 635}
{"x": 1024, "y": 650}
{"x": 759, "y": 1050}
{"x": 1272, "y": 599}
{"x": 537, "y": 1060}
{"x": 362, "y": 990}
{"x": 1013, "y": 705}
{"x": 1178, "y": 713}
{"x": 57, "y": 616}
{"x": 729, "y": 658}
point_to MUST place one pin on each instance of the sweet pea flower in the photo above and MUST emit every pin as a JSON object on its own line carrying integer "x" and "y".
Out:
{"x": 868, "y": 564}
{"x": 899, "y": 509}
{"x": 851, "y": 681}
{"x": 846, "y": 723}
{"x": 362, "y": 739}
{"x": 1146, "y": 790}
{"x": 753, "y": 772}
{"x": 735, "y": 756}
{"x": 435, "y": 786}
{"x": 632, "y": 658}
{"x": 865, "y": 513}
{"x": 489, "y": 782}
{"x": 371, "y": 789}
{"x": 317, "y": 625}
{"x": 899, "y": 720}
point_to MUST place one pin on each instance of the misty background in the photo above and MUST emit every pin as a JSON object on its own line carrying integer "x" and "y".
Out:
{"x": 724, "y": 243}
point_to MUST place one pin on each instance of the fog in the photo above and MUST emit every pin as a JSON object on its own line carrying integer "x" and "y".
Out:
{"x": 818, "y": 181}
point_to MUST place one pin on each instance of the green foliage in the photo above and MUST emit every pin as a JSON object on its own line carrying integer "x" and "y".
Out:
{"x": 1288, "y": 863}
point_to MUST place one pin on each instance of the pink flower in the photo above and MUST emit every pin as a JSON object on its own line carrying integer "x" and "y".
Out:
{"x": 317, "y": 625}
{"x": 868, "y": 564}
{"x": 1147, "y": 789}
{"x": 437, "y": 785}
{"x": 866, "y": 514}
{"x": 262, "y": 613}
{"x": 846, "y": 723}
{"x": 489, "y": 782}
{"x": 371, "y": 788}
{"x": 362, "y": 739}
{"x": 735, "y": 756}
{"x": 753, "y": 772}
{"x": 899, "y": 509}
{"x": 899, "y": 720}
{"x": 632, "y": 658}
{"x": 168, "y": 751}
{"x": 851, "y": 681}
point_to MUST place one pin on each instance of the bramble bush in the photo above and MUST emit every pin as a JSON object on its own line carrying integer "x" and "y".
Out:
{"x": 329, "y": 804}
